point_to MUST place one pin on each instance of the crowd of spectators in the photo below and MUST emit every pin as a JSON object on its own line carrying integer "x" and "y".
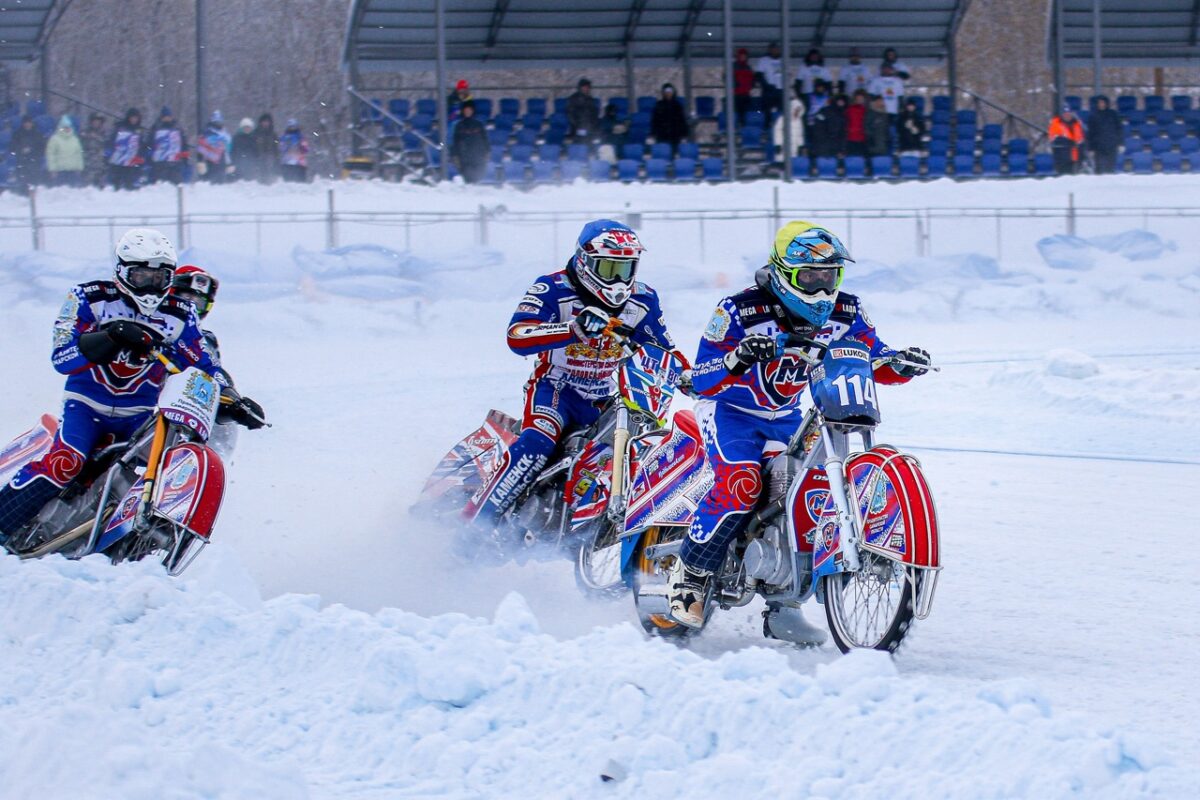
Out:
{"x": 129, "y": 154}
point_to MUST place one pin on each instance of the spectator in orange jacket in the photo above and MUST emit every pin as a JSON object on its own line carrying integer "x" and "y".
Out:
{"x": 1066, "y": 135}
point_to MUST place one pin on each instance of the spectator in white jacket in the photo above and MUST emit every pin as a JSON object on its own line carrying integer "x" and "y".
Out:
{"x": 892, "y": 59}
{"x": 797, "y": 127}
{"x": 812, "y": 70}
{"x": 855, "y": 75}
{"x": 770, "y": 76}
{"x": 890, "y": 88}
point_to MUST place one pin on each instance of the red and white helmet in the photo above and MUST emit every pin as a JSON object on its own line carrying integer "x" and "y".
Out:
{"x": 145, "y": 266}
{"x": 196, "y": 286}
{"x": 605, "y": 262}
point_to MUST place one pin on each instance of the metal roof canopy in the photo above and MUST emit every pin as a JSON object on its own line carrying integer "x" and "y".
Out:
{"x": 400, "y": 34}
{"x": 25, "y": 25}
{"x": 1129, "y": 32}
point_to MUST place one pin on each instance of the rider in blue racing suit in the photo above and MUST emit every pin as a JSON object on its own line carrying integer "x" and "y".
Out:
{"x": 751, "y": 389}
{"x": 104, "y": 339}
{"x": 564, "y": 319}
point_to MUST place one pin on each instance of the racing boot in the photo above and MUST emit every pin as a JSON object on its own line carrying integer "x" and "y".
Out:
{"x": 789, "y": 625}
{"x": 687, "y": 594}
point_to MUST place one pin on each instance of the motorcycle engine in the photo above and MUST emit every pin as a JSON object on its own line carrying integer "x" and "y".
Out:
{"x": 542, "y": 512}
{"x": 781, "y": 471}
{"x": 769, "y": 559}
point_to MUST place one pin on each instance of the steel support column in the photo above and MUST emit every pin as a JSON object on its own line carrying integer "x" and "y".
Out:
{"x": 1097, "y": 62}
{"x": 200, "y": 89}
{"x": 443, "y": 118}
{"x": 785, "y": 36}
{"x": 1059, "y": 73}
{"x": 730, "y": 121}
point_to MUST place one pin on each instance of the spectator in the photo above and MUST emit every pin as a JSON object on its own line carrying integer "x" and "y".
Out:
{"x": 28, "y": 146}
{"x": 879, "y": 128}
{"x": 246, "y": 160}
{"x": 126, "y": 148}
{"x": 95, "y": 139}
{"x": 796, "y": 119}
{"x": 812, "y": 70}
{"x": 890, "y": 88}
{"x": 612, "y": 132}
{"x": 267, "y": 143}
{"x": 64, "y": 155}
{"x": 770, "y": 76}
{"x": 827, "y": 130}
{"x": 213, "y": 161}
{"x": 469, "y": 146}
{"x": 454, "y": 103}
{"x": 1066, "y": 135}
{"x": 168, "y": 149}
{"x": 855, "y": 75}
{"x": 911, "y": 129}
{"x": 856, "y": 124}
{"x": 743, "y": 85}
{"x": 293, "y": 154}
{"x": 899, "y": 68}
{"x": 815, "y": 104}
{"x": 669, "y": 122}
{"x": 1104, "y": 136}
{"x": 583, "y": 115}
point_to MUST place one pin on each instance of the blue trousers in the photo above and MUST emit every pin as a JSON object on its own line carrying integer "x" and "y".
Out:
{"x": 735, "y": 443}
{"x": 80, "y": 431}
{"x": 549, "y": 410}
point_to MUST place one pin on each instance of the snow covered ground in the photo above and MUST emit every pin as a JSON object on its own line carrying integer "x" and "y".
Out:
{"x": 1060, "y": 441}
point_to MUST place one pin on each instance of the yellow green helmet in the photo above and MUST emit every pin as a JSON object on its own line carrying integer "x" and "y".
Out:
{"x": 806, "y": 265}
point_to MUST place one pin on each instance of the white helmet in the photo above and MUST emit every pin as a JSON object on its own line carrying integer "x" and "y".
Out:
{"x": 145, "y": 266}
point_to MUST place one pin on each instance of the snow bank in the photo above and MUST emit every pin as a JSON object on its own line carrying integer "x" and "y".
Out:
{"x": 122, "y": 683}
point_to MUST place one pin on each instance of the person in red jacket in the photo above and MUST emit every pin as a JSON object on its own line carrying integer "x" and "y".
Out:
{"x": 1066, "y": 135}
{"x": 743, "y": 84}
{"x": 856, "y": 124}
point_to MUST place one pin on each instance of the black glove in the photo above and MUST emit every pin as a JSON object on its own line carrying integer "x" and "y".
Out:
{"x": 754, "y": 349}
{"x": 98, "y": 347}
{"x": 590, "y": 323}
{"x": 920, "y": 362}
{"x": 132, "y": 336}
{"x": 249, "y": 413}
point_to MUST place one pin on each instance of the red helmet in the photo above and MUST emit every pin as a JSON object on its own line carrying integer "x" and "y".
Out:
{"x": 193, "y": 284}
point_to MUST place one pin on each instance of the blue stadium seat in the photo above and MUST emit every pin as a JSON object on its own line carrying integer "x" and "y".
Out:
{"x": 627, "y": 169}
{"x": 1163, "y": 117}
{"x": 855, "y": 167}
{"x": 1134, "y": 117}
{"x": 756, "y": 119}
{"x": 1192, "y": 162}
{"x": 483, "y": 108}
{"x": 411, "y": 142}
{"x": 1153, "y": 102}
{"x": 752, "y": 138}
{"x": 550, "y": 152}
{"x": 515, "y": 172}
{"x": 534, "y": 121}
{"x": 1181, "y": 103}
{"x": 36, "y": 108}
{"x": 1171, "y": 162}
{"x": 964, "y": 166}
{"x": 1189, "y": 144}
{"x": 497, "y": 153}
{"x": 46, "y": 124}
{"x": 714, "y": 169}
{"x": 910, "y": 166}
{"x": 555, "y": 136}
{"x": 1177, "y": 130}
{"x": 685, "y": 170}
{"x": 1018, "y": 163}
{"x": 1018, "y": 146}
{"x": 940, "y": 118}
{"x": 661, "y": 150}
{"x": 993, "y": 131}
{"x": 636, "y": 135}
{"x": 689, "y": 150}
{"x": 991, "y": 147}
{"x": 559, "y": 120}
{"x": 527, "y": 136}
{"x": 504, "y": 122}
{"x": 632, "y": 152}
{"x": 706, "y": 107}
{"x": 621, "y": 104}
{"x": 599, "y": 170}
{"x": 1161, "y": 145}
{"x": 510, "y": 106}
{"x": 646, "y": 103}
{"x": 1043, "y": 164}
{"x": 640, "y": 119}
{"x": 827, "y": 167}
{"x": 939, "y": 131}
{"x": 427, "y": 106}
{"x": 571, "y": 170}
{"x": 560, "y": 105}
{"x": 656, "y": 170}
{"x": 421, "y": 122}
{"x": 801, "y": 167}
{"x": 521, "y": 152}
{"x": 497, "y": 137}
{"x": 989, "y": 165}
{"x": 1148, "y": 130}
{"x": 1142, "y": 163}
{"x": 536, "y": 105}
{"x": 941, "y": 102}
{"x": 964, "y": 133}
{"x": 966, "y": 116}
{"x": 398, "y": 107}
{"x": 1074, "y": 102}
{"x": 490, "y": 174}
{"x": 938, "y": 147}
{"x": 881, "y": 166}
{"x": 935, "y": 167}
{"x": 577, "y": 152}
{"x": 543, "y": 172}
{"x": 1134, "y": 145}
{"x": 1126, "y": 103}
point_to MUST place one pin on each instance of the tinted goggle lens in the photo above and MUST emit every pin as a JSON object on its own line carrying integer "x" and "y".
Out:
{"x": 614, "y": 269}
{"x": 810, "y": 279}
{"x": 146, "y": 277}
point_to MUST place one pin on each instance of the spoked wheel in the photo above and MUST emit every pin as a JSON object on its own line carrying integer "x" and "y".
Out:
{"x": 598, "y": 562}
{"x": 650, "y": 587}
{"x": 872, "y": 608}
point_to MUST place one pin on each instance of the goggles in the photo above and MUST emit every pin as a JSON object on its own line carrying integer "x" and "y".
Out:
{"x": 612, "y": 269}
{"x": 196, "y": 288}
{"x": 812, "y": 279}
{"x": 140, "y": 276}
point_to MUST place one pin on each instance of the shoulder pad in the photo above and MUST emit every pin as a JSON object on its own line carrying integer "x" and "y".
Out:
{"x": 98, "y": 291}
{"x": 754, "y": 305}
{"x": 845, "y": 308}
{"x": 174, "y": 307}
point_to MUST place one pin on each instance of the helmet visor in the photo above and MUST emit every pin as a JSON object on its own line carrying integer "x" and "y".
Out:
{"x": 813, "y": 279}
{"x": 610, "y": 270}
{"x": 144, "y": 278}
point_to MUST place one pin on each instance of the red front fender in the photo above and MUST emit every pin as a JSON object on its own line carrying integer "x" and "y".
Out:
{"x": 191, "y": 487}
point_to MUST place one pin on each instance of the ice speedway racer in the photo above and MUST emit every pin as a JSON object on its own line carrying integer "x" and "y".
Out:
{"x": 157, "y": 494}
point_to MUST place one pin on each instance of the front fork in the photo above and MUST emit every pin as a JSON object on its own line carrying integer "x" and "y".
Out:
{"x": 616, "y": 497}
{"x": 848, "y": 524}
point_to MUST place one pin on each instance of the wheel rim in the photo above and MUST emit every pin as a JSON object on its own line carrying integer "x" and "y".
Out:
{"x": 646, "y": 567}
{"x": 866, "y": 603}
{"x": 600, "y": 560}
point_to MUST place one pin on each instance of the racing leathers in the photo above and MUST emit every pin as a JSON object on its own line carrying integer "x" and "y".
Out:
{"x": 571, "y": 380}
{"x": 105, "y": 400}
{"x": 748, "y": 417}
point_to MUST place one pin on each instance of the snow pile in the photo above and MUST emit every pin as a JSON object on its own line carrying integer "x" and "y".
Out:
{"x": 123, "y": 683}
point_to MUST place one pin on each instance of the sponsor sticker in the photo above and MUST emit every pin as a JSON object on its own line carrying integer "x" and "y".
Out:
{"x": 538, "y": 288}
{"x": 849, "y": 352}
{"x": 718, "y": 326}
{"x": 531, "y": 300}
